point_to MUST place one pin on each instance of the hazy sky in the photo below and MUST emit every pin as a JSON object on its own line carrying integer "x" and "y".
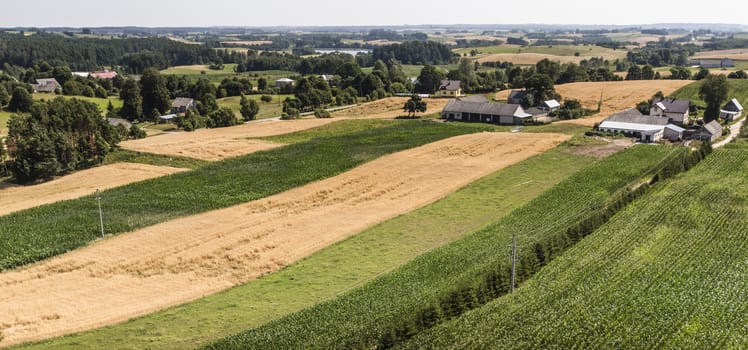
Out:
{"x": 81, "y": 13}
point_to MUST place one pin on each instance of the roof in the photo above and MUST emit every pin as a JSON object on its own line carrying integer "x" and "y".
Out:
{"x": 633, "y": 116}
{"x": 675, "y": 128}
{"x": 474, "y": 98}
{"x": 46, "y": 85}
{"x": 82, "y": 74}
{"x": 488, "y": 108}
{"x": 518, "y": 94}
{"x": 713, "y": 128}
{"x": 284, "y": 80}
{"x": 181, "y": 102}
{"x": 449, "y": 85}
{"x": 552, "y": 104}
{"x": 672, "y": 105}
{"x": 535, "y": 111}
{"x": 733, "y": 106}
{"x": 630, "y": 126}
{"x": 118, "y": 121}
{"x": 168, "y": 116}
{"x": 104, "y": 74}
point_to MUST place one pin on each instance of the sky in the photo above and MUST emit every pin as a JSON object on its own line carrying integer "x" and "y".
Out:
{"x": 152, "y": 13}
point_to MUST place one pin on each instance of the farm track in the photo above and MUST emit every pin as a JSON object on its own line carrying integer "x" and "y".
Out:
{"x": 185, "y": 259}
{"x": 14, "y": 198}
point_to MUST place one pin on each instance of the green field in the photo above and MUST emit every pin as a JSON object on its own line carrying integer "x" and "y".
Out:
{"x": 4, "y": 116}
{"x": 402, "y": 301}
{"x": 102, "y": 103}
{"x": 31, "y": 235}
{"x": 340, "y": 268}
{"x": 215, "y": 76}
{"x": 668, "y": 272}
{"x": 738, "y": 89}
{"x": 123, "y": 155}
{"x": 557, "y": 50}
{"x": 267, "y": 109}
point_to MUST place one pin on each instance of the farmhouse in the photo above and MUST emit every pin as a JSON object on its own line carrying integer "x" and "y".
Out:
{"x": 182, "y": 104}
{"x": 709, "y": 132}
{"x": 104, "y": 74}
{"x": 283, "y": 82}
{"x": 516, "y": 96}
{"x": 449, "y": 88}
{"x": 46, "y": 85}
{"x": 487, "y": 112}
{"x": 675, "y": 110}
{"x": 632, "y": 123}
{"x": 731, "y": 110}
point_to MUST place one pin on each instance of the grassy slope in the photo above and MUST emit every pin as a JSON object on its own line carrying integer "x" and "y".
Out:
{"x": 4, "y": 116}
{"x": 668, "y": 272}
{"x": 339, "y": 268}
{"x": 738, "y": 89}
{"x": 365, "y": 314}
{"x": 123, "y": 155}
{"x": 267, "y": 109}
{"x": 34, "y": 234}
{"x": 103, "y": 103}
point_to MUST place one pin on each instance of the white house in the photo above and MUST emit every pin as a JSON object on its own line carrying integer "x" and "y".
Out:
{"x": 731, "y": 110}
{"x": 675, "y": 110}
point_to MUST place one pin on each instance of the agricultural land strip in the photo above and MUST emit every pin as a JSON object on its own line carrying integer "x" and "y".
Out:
{"x": 388, "y": 108}
{"x": 338, "y": 268}
{"x": 220, "y": 143}
{"x": 185, "y": 259}
{"x": 668, "y": 272}
{"x": 80, "y": 183}
{"x": 364, "y": 316}
{"x": 31, "y": 235}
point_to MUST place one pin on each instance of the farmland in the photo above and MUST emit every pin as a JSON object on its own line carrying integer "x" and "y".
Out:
{"x": 529, "y": 55}
{"x": 371, "y": 314}
{"x": 267, "y": 109}
{"x": 339, "y": 268}
{"x": 102, "y": 103}
{"x": 391, "y": 107}
{"x": 4, "y": 116}
{"x": 126, "y": 276}
{"x": 214, "y": 186}
{"x": 667, "y": 272}
{"x": 14, "y": 198}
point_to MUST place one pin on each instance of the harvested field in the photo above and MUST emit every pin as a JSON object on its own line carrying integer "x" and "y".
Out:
{"x": 528, "y": 58}
{"x": 78, "y": 184}
{"x": 617, "y": 95}
{"x": 248, "y": 43}
{"x": 389, "y": 108}
{"x": 187, "y": 258}
{"x": 217, "y": 144}
{"x": 735, "y": 54}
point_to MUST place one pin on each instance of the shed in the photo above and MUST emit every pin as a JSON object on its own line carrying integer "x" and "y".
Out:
{"x": 550, "y": 105}
{"x": 709, "y": 132}
{"x": 673, "y": 132}
{"x": 46, "y": 85}
{"x": 182, "y": 104}
{"x": 516, "y": 96}
{"x": 731, "y": 110}
{"x": 488, "y": 112}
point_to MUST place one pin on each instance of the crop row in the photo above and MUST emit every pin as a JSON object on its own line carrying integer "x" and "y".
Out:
{"x": 45, "y": 231}
{"x": 467, "y": 273}
{"x": 669, "y": 271}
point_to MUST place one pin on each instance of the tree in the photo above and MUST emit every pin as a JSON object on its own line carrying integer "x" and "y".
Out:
{"x": 262, "y": 84}
{"x": 648, "y": 73}
{"x": 221, "y": 118}
{"x": 429, "y": 79}
{"x": 714, "y": 91}
{"x": 249, "y": 108}
{"x": 154, "y": 92}
{"x": 634, "y": 73}
{"x": 703, "y": 72}
{"x": 741, "y": 74}
{"x": 132, "y": 102}
{"x": 414, "y": 105}
{"x": 541, "y": 87}
{"x": 21, "y": 100}
{"x": 4, "y": 97}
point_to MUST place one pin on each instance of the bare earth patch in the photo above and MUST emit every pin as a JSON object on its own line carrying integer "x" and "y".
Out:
{"x": 220, "y": 143}
{"x": 617, "y": 95}
{"x": 80, "y": 183}
{"x": 389, "y": 108}
{"x": 601, "y": 151}
{"x": 185, "y": 259}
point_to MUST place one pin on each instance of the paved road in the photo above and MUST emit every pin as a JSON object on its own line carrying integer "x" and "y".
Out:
{"x": 734, "y": 132}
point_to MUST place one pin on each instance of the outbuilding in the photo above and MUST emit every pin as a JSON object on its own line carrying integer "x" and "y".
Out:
{"x": 487, "y": 112}
{"x": 733, "y": 109}
{"x": 709, "y": 132}
{"x": 632, "y": 123}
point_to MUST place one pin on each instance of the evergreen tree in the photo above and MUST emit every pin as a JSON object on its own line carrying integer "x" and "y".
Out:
{"x": 4, "y": 97}
{"x": 154, "y": 92}
{"x": 21, "y": 101}
{"x": 132, "y": 102}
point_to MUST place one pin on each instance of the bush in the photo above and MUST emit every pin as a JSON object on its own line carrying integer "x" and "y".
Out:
{"x": 291, "y": 113}
{"x": 266, "y": 98}
{"x": 321, "y": 113}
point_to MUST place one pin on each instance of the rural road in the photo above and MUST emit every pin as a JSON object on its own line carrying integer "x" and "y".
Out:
{"x": 734, "y": 132}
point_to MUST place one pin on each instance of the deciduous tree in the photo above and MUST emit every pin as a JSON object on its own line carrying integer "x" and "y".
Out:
{"x": 249, "y": 108}
{"x": 714, "y": 91}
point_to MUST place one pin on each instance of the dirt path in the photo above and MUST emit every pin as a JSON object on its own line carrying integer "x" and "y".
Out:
{"x": 78, "y": 184}
{"x": 617, "y": 95}
{"x": 184, "y": 259}
{"x": 734, "y": 132}
{"x": 220, "y": 143}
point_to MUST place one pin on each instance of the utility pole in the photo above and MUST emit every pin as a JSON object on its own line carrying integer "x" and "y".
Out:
{"x": 514, "y": 260}
{"x": 101, "y": 215}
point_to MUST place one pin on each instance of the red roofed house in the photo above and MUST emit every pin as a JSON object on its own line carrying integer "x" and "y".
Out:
{"x": 104, "y": 74}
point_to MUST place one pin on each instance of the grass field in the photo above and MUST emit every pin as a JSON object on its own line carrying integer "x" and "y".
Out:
{"x": 668, "y": 272}
{"x": 556, "y": 50}
{"x": 337, "y": 269}
{"x": 366, "y": 316}
{"x": 4, "y": 116}
{"x": 215, "y": 76}
{"x": 26, "y": 236}
{"x": 126, "y": 156}
{"x": 738, "y": 89}
{"x": 267, "y": 109}
{"x": 102, "y": 103}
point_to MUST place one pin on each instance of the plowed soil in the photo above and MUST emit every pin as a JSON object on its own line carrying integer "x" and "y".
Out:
{"x": 389, "y": 108}
{"x": 217, "y": 144}
{"x": 184, "y": 259}
{"x": 617, "y": 95}
{"x": 77, "y": 184}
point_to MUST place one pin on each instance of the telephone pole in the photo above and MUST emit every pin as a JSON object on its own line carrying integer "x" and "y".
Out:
{"x": 514, "y": 260}
{"x": 101, "y": 215}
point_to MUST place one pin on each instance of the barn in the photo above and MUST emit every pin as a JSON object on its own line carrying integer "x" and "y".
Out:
{"x": 487, "y": 112}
